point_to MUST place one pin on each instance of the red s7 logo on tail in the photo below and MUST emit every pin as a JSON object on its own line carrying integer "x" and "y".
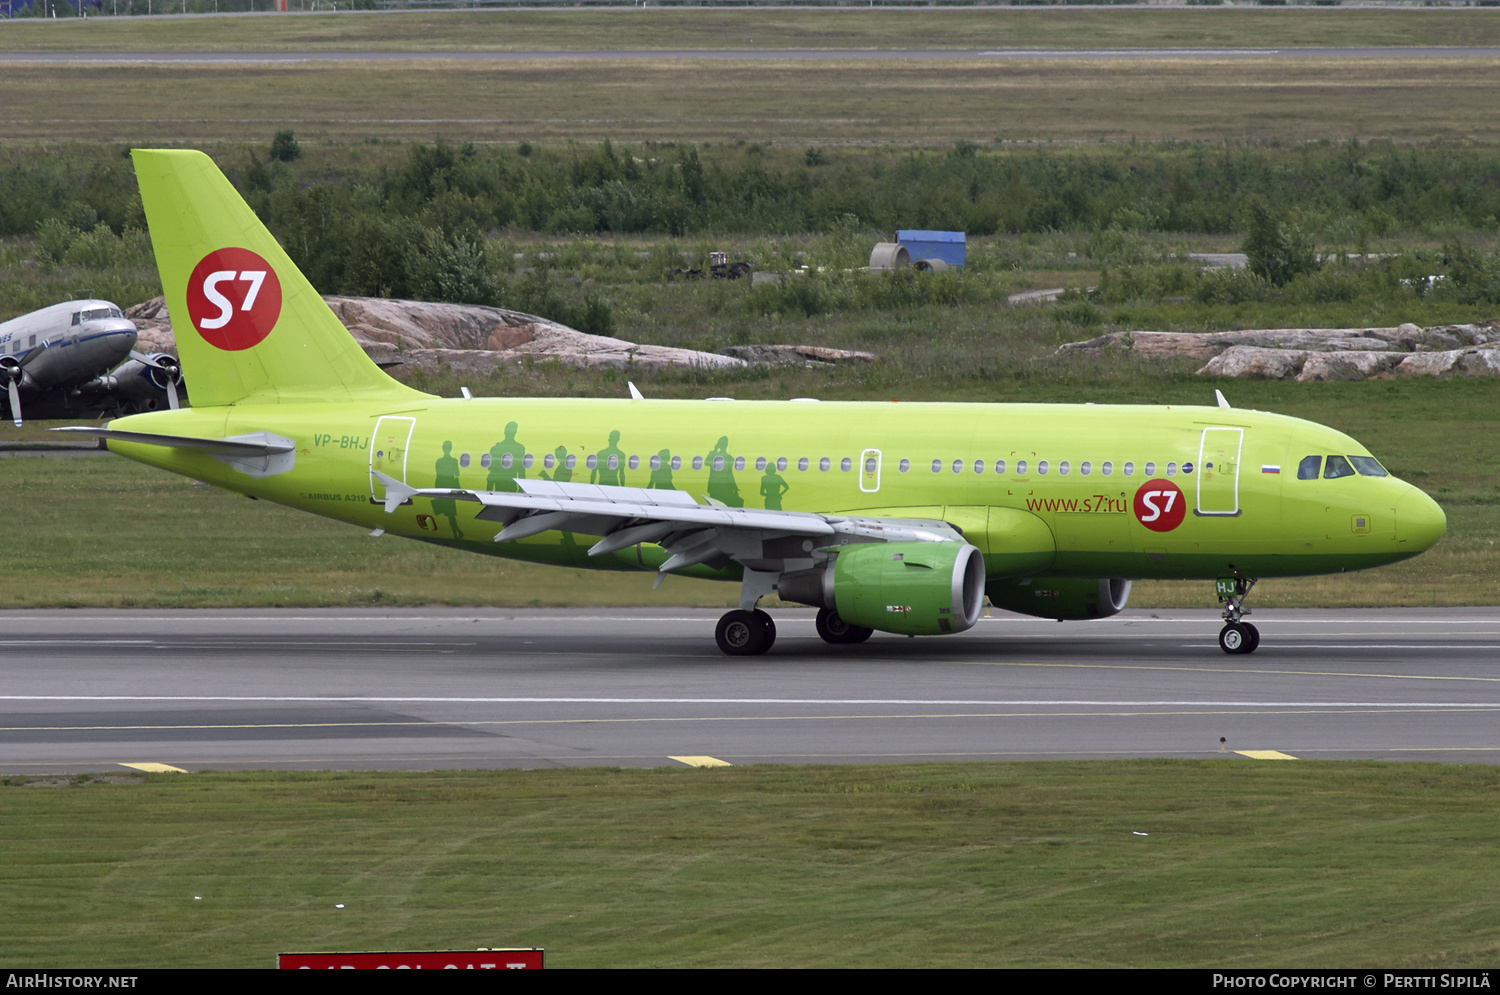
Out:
{"x": 1159, "y": 505}
{"x": 233, "y": 298}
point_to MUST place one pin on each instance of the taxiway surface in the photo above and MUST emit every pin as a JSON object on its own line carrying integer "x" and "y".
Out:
{"x": 464, "y": 688}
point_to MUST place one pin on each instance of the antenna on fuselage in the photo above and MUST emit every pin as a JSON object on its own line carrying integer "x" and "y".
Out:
{"x": 1219, "y": 396}
{"x": 635, "y": 393}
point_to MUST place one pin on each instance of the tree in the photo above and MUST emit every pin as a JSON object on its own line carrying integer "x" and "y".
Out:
{"x": 284, "y": 147}
{"x": 1276, "y": 251}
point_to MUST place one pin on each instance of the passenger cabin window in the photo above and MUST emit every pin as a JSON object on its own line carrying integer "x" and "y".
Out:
{"x": 1337, "y": 466}
{"x": 1309, "y": 467}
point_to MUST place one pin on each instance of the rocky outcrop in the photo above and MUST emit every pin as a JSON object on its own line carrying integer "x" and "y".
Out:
{"x": 797, "y": 355}
{"x": 466, "y": 338}
{"x": 1310, "y": 354}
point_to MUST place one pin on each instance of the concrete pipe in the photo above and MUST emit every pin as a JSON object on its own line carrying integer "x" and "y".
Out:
{"x": 888, "y": 255}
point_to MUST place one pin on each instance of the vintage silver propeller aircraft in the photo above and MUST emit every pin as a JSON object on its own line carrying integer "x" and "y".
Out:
{"x": 79, "y": 358}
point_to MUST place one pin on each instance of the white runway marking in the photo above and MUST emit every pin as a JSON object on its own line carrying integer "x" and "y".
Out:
{"x": 946, "y": 702}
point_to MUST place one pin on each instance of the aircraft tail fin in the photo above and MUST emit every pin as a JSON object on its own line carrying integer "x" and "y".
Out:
{"x": 249, "y": 325}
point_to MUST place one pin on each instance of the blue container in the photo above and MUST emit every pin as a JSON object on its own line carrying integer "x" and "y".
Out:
{"x": 949, "y": 246}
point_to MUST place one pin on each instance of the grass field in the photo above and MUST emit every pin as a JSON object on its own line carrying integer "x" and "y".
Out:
{"x": 766, "y": 27}
{"x": 826, "y": 102}
{"x": 1230, "y": 863}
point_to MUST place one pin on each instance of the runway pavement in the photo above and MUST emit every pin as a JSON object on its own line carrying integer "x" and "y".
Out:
{"x": 464, "y": 688}
{"x": 100, "y": 57}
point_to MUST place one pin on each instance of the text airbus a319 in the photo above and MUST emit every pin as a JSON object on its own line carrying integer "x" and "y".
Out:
{"x": 887, "y": 517}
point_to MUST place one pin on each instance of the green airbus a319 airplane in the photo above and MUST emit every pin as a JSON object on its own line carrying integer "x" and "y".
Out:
{"x": 897, "y": 517}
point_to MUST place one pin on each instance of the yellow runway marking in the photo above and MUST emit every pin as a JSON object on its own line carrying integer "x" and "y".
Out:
{"x": 702, "y": 761}
{"x": 1265, "y": 755}
{"x": 156, "y": 768}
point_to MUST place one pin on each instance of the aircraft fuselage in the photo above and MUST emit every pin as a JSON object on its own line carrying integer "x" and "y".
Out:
{"x": 1057, "y": 490}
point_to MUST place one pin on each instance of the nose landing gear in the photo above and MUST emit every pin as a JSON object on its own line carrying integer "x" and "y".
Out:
{"x": 1236, "y": 636}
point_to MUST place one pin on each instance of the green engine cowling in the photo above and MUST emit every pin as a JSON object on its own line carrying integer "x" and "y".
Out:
{"x": 910, "y": 588}
{"x": 1062, "y": 598}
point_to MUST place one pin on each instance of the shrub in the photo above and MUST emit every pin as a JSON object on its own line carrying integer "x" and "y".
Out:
{"x": 284, "y": 147}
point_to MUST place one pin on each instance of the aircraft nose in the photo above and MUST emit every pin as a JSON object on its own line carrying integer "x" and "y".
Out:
{"x": 1420, "y": 522}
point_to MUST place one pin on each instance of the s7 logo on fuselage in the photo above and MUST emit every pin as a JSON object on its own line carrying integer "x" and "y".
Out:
{"x": 1159, "y": 505}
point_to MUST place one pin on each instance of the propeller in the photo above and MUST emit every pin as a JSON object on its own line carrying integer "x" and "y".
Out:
{"x": 166, "y": 373}
{"x": 13, "y": 371}
{"x": 12, "y": 375}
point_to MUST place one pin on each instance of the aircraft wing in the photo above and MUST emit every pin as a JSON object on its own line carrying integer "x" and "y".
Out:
{"x": 690, "y": 532}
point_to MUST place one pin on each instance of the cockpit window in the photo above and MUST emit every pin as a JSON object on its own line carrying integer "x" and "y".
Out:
{"x": 1368, "y": 467}
{"x": 95, "y": 314}
{"x": 1337, "y": 466}
{"x": 1309, "y": 467}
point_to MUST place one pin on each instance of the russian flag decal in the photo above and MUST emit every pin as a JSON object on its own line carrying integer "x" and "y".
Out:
{"x": 1270, "y": 468}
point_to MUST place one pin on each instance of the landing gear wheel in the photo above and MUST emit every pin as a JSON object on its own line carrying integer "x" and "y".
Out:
{"x": 834, "y": 629}
{"x": 742, "y": 633}
{"x": 1239, "y": 637}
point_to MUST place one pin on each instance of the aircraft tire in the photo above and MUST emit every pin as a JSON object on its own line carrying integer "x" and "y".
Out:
{"x": 833, "y": 629}
{"x": 770, "y": 624}
{"x": 1238, "y": 637}
{"x": 742, "y": 633}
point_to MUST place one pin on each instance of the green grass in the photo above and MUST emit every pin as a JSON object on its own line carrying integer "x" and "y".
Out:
{"x": 1229, "y": 863}
{"x": 767, "y": 27}
{"x": 856, "y": 102}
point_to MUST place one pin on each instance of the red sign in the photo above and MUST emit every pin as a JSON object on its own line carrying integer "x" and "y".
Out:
{"x": 233, "y": 298}
{"x": 1159, "y": 505}
{"x": 418, "y": 960}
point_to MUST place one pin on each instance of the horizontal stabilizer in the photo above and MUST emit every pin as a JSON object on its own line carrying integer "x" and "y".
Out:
{"x": 229, "y": 447}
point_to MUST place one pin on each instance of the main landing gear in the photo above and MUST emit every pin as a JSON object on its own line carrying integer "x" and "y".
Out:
{"x": 745, "y": 633}
{"x": 1236, "y": 636}
{"x": 751, "y": 633}
{"x": 835, "y": 630}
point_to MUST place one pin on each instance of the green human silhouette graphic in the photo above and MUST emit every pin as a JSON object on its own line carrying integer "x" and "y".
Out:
{"x": 661, "y": 476}
{"x": 447, "y": 477}
{"x": 503, "y": 477}
{"x": 610, "y": 468}
{"x": 772, "y": 486}
{"x": 721, "y": 485}
{"x": 562, "y": 473}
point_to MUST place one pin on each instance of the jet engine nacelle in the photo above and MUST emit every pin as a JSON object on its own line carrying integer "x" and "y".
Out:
{"x": 1062, "y": 598}
{"x": 910, "y": 588}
